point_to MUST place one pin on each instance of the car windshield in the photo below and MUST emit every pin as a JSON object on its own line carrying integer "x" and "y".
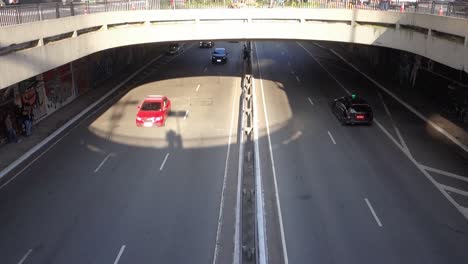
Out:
{"x": 151, "y": 106}
{"x": 361, "y": 108}
{"x": 219, "y": 51}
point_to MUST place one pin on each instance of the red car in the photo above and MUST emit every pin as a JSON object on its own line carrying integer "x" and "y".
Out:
{"x": 153, "y": 111}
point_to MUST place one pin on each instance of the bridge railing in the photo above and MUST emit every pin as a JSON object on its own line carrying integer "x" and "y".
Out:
{"x": 19, "y": 14}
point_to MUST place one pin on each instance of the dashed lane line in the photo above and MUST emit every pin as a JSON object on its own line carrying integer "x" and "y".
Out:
{"x": 310, "y": 101}
{"x": 164, "y": 162}
{"x": 373, "y": 212}
{"x": 331, "y": 137}
{"x": 102, "y": 163}
{"x": 116, "y": 261}
{"x": 23, "y": 259}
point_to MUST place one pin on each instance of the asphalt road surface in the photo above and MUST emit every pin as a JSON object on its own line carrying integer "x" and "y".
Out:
{"x": 110, "y": 192}
{"x": 348, "y": 194}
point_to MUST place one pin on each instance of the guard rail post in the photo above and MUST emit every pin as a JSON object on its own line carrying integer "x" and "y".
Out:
{"x": 57, "y": 11}
{"x": 72, "y": 9}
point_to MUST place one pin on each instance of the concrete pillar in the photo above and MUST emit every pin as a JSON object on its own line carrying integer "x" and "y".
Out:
{"x": 40, "y": 42}
{"x": 466, "y": 41}
{"x": 147, "y": 23}
{"x": 75, "y": 34}
{"x": 104, "y": 27}
{"x": 397, "y": 26}
{"x": 429, "y": 33}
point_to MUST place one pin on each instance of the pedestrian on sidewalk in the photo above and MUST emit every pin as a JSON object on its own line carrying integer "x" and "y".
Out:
{"x": 11, "y": 133}
{"x": 384, "y": 5}
{"x": 27, "y": 119}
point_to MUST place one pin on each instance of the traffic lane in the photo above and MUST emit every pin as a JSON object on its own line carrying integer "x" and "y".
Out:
{"x": 177, "y": 190}
{"x": 326, "y": 111}
{"x": 426, "y": 202}
{"x": 193, "y": 190}
{"x": 308, "y": 184}
{"x": 427, "y": 145}
{"x": 58, "y": 218}
{"x": 167, "y": 198}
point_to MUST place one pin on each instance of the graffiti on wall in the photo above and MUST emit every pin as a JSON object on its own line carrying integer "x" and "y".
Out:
{"x": 58, "y": 87}
{"x": 32, "y": 93}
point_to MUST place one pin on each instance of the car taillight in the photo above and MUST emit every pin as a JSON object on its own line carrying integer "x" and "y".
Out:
{"x": 360, "y": 116}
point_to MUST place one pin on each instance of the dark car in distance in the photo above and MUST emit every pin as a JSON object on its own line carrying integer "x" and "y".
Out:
{"x": 206, "y": 44}
{"x": 352, "y": 110}
{"x": 219, "y": 55}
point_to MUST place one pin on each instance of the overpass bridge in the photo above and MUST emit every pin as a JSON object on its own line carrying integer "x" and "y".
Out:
{"x": 32, "y": 48}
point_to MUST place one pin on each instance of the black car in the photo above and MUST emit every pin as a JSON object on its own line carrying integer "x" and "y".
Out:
{"x": 352, "y": 110}
{"x": 219, "y": 55}
{"x": 174, "y": 48}
{"x": 206, "y": 44}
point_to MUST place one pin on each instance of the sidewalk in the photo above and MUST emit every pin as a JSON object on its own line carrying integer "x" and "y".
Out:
{"x": 12, "y": 151}
{"x": 413, "y": 96}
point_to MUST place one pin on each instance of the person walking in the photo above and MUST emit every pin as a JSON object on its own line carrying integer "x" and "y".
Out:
{"x": 11, "y": 133}
{"x": 27, "y": 119}
{"x": 384, "y": 4}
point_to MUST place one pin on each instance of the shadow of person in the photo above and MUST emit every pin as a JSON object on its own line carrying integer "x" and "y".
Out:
{"x": 174, "y": 140}
{"x": 171, "y": 138}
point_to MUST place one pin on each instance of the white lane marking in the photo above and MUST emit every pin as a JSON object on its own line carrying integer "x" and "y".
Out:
{"x": 226, "y": 164}
{"x": 409, "y": 107}
{"x": 320, "y": 46}
{"x": 102, "y": 162}
{"x": 292, "y": 72}
{"x": 297, "y": 78}
{"x": 331, "y": 137}
{"x": 198, "y": 87}
{"x": 259, "y": 197}
{"x": 34, "y": 160}
{"x": 23, "y": 259}
{"x": 204, "y": 70}
{"x": 373, "y": 212}
{"x": 461, "y": 209}
{"x": 57, "y": 132}
{"x": 237, "y": 227}
{"x": 186, "y": 114}
{"x": 310, "y": 101}
{"x": 119, "y": 255}
{"x": 278, "y": 205}
{"x": 397, "y": 131}
{"x": 164, "y": 162}
{"x": 318, "y": 62}
{"x": 446, "y": 173}
{"x": 453, "y": 189}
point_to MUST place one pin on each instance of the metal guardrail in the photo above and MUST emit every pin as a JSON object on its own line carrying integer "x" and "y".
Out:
{"x": 19, "y": 14}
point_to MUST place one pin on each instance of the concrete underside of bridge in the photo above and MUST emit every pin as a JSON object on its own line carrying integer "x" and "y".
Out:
{"x": 31, "y": 49}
